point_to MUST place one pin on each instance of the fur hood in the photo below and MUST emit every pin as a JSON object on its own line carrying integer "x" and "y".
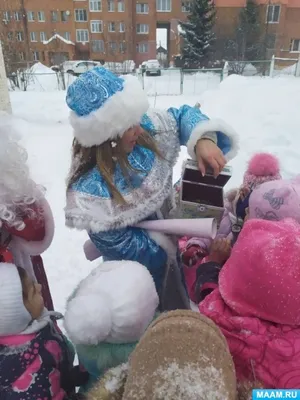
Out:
{"x": 165, "y": 355}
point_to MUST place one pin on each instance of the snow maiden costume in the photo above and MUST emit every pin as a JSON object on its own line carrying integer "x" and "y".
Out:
{"x": 26, "y": 221}
{"x": 103, "y": 108}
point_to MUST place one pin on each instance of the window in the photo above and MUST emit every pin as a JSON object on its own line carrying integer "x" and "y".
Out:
{"x": 64, "y": 16}
{"x": 41, "y": 16}
{"x": 54, "y": 16}
{"x": 111, "y": 27}
{"x": 82, "y": 35}
{"x": 111, "y": 6}
{"x": 95, "y": 5}
{"x": 20, "y": 36}
{"x": 113, "y": 47}
{"x": 97, "y": 46}
{"x": 80, "y": 15}
{"x": 121, "y": 6}
{"x": 10, "y": 36}
{"x": 18, "y": 15}
{"x": 33, "y": 37}
{"x": 142, "y": 47}
{"x": 163, "y": 5}
{"x": 67, "y": 35}
{"x": 142, "y": 8}
{"x": 142, "y": 28}
{"x": 122, "y": 27}
{"x": 21, "y": 56}
{"x": 96, "y": 26}
{"x": 295, "y": 45}
{"x": 122, "y": 47}
{"x": 36, "y": 55}
{"x": 6, "y": 16}
{"x": 43, "y": 36}
{"x": 30, "y": 16}
{"x": 186, "y": 6}
{"x": 273, "y": 14}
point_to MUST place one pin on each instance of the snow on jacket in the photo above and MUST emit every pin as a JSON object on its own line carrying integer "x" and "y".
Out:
{"x": 257, "y": 304}
{"x": 89, "y": 204}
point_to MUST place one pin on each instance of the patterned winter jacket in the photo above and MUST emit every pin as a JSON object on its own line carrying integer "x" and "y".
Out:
{"x": 37, "y": 366}
{"x": 150, "y": 195}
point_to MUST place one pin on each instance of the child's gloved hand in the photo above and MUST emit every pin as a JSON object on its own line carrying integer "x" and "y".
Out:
{"x": 220, "y": 251}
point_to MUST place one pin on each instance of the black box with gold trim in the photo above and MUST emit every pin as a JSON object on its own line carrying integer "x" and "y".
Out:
{"x": 202, "y": 196}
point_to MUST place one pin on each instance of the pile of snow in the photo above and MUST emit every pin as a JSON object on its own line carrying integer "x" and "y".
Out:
{"x": 38, "y": 78}
{"x": 291, "y": 70}
{"x": 39, "y": 68}
{"x": 264, "y": 111}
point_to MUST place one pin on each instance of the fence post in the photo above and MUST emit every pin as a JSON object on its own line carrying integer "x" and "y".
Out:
{"x": 181, "y": 81}
{"x": 5, "y": 104}
{"x": 272, "y": 66}
{"x": 298, "y": 68}
{"x": 225, "y": 71}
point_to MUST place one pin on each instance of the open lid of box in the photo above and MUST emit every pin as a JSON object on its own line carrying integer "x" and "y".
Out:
{"x": 192, "y": 174}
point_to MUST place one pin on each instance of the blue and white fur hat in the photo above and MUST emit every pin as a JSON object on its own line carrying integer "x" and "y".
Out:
{"x": 103, "y": 105}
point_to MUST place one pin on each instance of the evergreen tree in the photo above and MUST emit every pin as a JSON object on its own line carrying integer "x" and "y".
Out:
{"x": 197, "y": 32}
{"x": 247, "y": 44}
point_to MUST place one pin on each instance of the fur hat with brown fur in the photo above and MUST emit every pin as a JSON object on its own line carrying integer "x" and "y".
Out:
{"x": 182, "y": 355}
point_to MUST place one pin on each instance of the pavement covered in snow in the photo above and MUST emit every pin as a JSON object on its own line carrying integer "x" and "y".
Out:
{"x": 264, "y": 111}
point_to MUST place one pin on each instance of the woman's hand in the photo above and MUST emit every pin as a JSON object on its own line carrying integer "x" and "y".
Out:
{"x": 208, "y": 153}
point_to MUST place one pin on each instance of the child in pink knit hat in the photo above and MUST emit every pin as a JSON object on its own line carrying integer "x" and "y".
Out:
{"x": 257, "y": 303}
{"x": 197, "y": 252}
{"x": 276, "y": 200}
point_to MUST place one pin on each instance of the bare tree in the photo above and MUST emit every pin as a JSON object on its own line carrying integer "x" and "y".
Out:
{"x": 14, "y": 35}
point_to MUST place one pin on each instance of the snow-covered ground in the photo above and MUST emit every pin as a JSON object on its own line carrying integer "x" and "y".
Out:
{"x": 264, "y": 111}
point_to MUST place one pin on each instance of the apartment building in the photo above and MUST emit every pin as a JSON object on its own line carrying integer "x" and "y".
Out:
{"x": 117, "y": 30}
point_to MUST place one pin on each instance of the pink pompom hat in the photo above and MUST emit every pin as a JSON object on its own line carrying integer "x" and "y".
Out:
{"x": 262, "y": 167}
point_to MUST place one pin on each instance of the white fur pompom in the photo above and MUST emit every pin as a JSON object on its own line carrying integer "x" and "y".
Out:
{"x": 115, "y": 303}
{"x": 83, "y": 322}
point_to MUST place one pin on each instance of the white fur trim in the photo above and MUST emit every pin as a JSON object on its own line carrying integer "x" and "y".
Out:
{"x": 119, "y": 113}
{"x": 213, "y": 125}
{"x": 90, "y": 314}
{"x": 115, "y": 303}
{"x": 165, "y": 243}
{"x": 38, "y": 247}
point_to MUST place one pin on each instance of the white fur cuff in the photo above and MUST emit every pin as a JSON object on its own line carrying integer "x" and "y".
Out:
{"x": 215, "y": 125}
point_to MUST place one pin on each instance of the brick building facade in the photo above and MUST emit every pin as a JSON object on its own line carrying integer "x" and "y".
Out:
{"x": 117, "y": 30}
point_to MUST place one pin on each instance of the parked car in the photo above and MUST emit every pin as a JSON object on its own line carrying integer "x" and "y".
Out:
{"x": 78, "y": 67}
{"x": 153, "y": 68}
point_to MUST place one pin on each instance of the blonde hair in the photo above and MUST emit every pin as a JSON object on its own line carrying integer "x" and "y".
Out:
{"x": 105, "y": 157}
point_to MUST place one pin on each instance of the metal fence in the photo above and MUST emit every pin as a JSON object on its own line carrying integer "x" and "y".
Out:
{"x": 285, "y": 66}
{"x": 248, "y": 68}
{"x": 177, "y": 81}
{"x": 171, "y": 82}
